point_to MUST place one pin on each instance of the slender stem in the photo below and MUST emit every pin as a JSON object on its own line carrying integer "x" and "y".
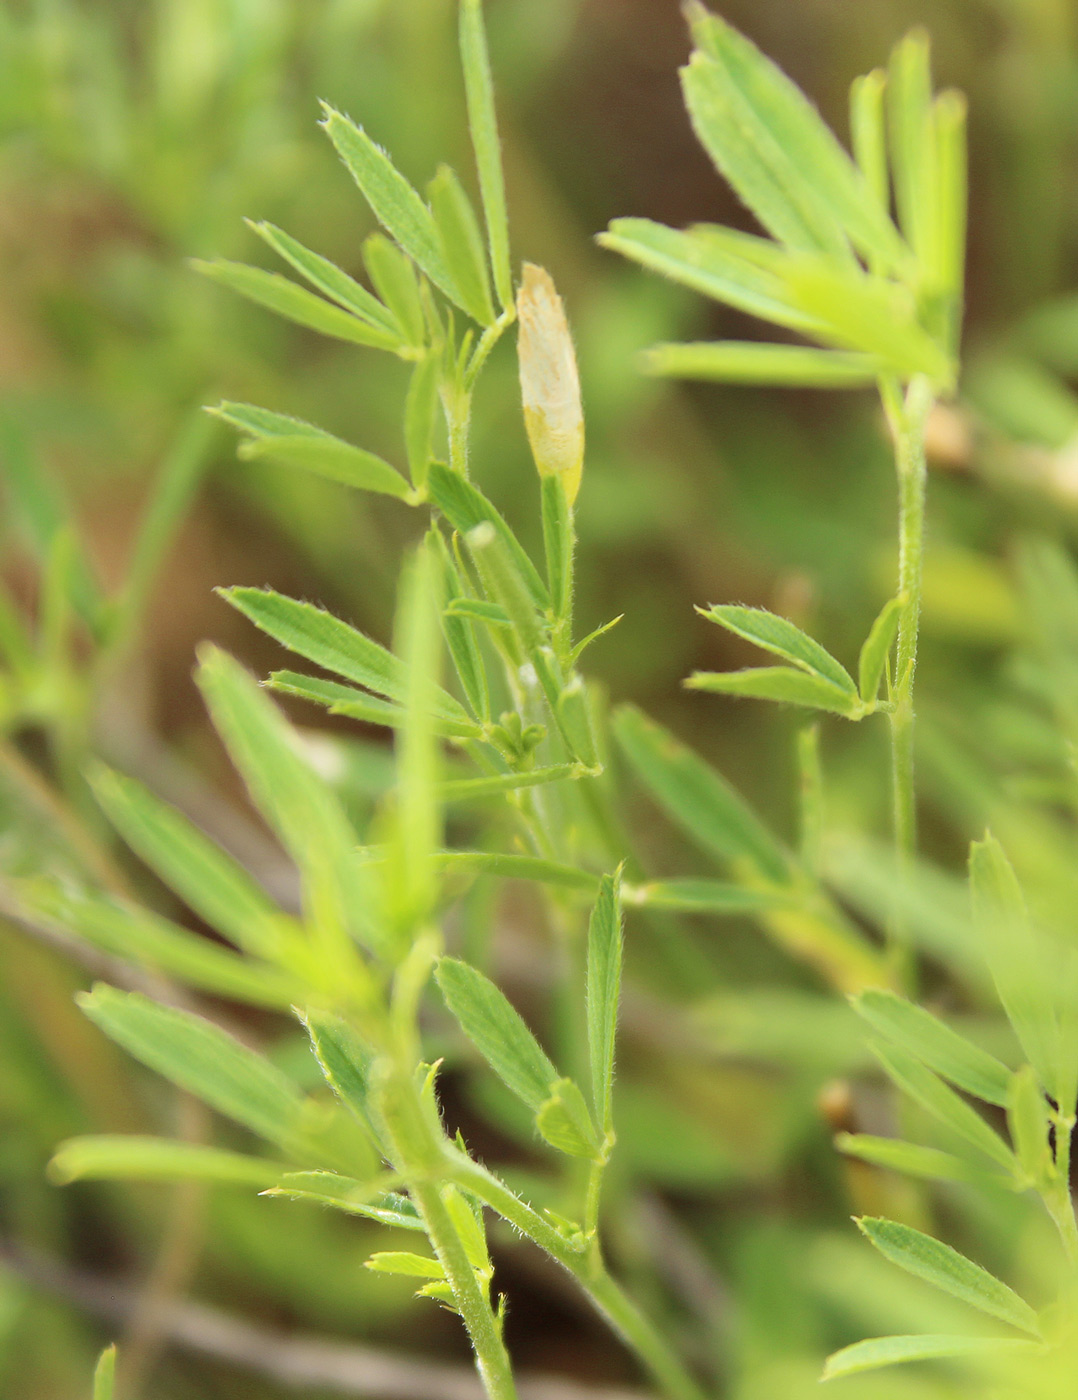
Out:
{"x": 908, "y": 423}
{"x": 584, "y": 1262}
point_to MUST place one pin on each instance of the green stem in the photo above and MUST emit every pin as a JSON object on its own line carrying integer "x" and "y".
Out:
{"x": 908, "y": 423}
{"x": 1061, "y": 1204}
{"x": 584, "y": 1261}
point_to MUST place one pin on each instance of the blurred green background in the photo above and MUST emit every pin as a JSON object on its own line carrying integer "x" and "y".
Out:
{"x": 136, "y": 134}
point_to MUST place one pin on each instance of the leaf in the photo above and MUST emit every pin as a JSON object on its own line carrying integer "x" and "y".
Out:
{"x": 949, "y": 116}
{"x": 200, "y": 1058}
{"x": 479, "y": 610}
{"x": 295, "y": 303}
{"x": 326, "y": 640}
{"x": 330, "y": 280}
{"x": 564, "y": 1122}
{"x": 869, "y": 135}
{"x": 831, "y": 180}
{"x": 300, "y": 444}
{"x": 943, "y": 1103}
{"x": 603, "y": 992}
{"x": 394, "y": 278}
{"x": 515, "y": 867}
{"x": 877, "y": 648}
{"x": 497, "y": 1031}
{"x": 698, "y": 260}
{"x": 133, "y": 1158}
{"x": 464, "y": 789}
{"x": 749, "y": 156}
{"x": 395, "y": 203}
{"x": 702, "y": 803}
{"x": 506, "y": 585}
{"x": 420, "y": 411}
{"x": 921, "y": 1034}
{"x": 357, "y": 704}
{"x": 205, "y": 877}
{"x": 411, "y": 1265}
{"x": 465, "y": 507}
{"x": 300, "y": 806}
{"x": 706, "y": 897}
{"x": 467, "y": 1218}
{"x": 459, "y": 631}
{"x": 345, "y": 1060}
{"x": 1031, "y": 1128}
{"x": 907, "y": 1157}
{"x": 780, "y": 636}
{"x": 780, "y": 683}
{"x": 1019, "y": 960}
{"x": 946, "y": 1269}
{"x": 744, "y": 362}
{"x": 909, "y": 96}
{"x": 892, "y": 1351}
{"x": 869, "y": 314}
{"x": 353, "y": 1197}
{"x": 462, "y": 244}
{"x": 482, "y": 123}
{"x": 105, "y": 1375}
{"x": 147, "y": 940}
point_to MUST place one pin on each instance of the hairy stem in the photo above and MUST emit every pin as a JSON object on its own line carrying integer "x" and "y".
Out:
{"x": 908, "y": 418}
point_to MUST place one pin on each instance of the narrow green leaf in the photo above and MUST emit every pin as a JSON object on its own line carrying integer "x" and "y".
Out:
{"x": 395, "y": 280}
{"x": 744, "y": 362}
{"x": 603, "y": 992}
{"x": 574, "y": 719}
{"x": 780, "y": 683}
{"x": 747, "y": 154}
{"x": 420, "y": 412}
{"x": 893, "y": 1351}
{"x": 353, "y": 1197}
{"x": 464, "y": 789}
{"x": 346, "y": 1060}
{"x": 483, "y": 125}
{"x": 132, "y": 1158}
{"x": 907, "y": 1157}
{"x": 943, "y": 1103}
{"x": 400, "y": 1262}
{"x": 699, "y": 261}
{"x": 951, "y": 1272}
{"x": 507, "y": 586}
{"x": 514, "y": 867}
{"x": 395, "y": 203}
{"x": 459, "y": 631}
{"x": 869, "y": 314}
{"x": 1019, "y": 959}
{"x": 697, "y": 798}
{"x": 909, "y": 96}
{"x": 150, "y": 941}
{"x": 200, "y": 1058}
{"x": 329, "y": 642}
{"x": 497, "y": 1031}
{"x": 1030, "y": 1127}
{"x": 330, "y": 280}
{"x": 462, "y": 244}
{"x": 919, "y": 1033}
{"x": 303, "y": 810}
{"x": 564, "y": 1122}
{"x": 357, "y": 704}
{"x": 593, "y": 636}
{"x": 706, "y": 897}
{"x": 295, "y": 303}
{"x": 814, "y": 165}
{"x": 467, "y": 1218}
{"x": 207, "y": 879}
{"x": 869, "y": 134}
{"x": 465, "y": 507}
{"x": 300, "y": 444}
{"x": 105, "y": 1375}
{"x": 780, "y": 636}
{"x": 877, "y": 648}
{"x": 480, "y": 610}
{"x": 949, "y": 116}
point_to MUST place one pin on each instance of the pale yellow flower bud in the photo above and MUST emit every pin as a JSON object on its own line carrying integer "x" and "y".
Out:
{"x": 549, "y": 383}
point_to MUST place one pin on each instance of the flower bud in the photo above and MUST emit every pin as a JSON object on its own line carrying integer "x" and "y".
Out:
{"x": 549, "y": 383}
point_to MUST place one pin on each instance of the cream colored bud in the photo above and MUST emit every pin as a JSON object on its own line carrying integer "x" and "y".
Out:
{"x": 549, "y": 383}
